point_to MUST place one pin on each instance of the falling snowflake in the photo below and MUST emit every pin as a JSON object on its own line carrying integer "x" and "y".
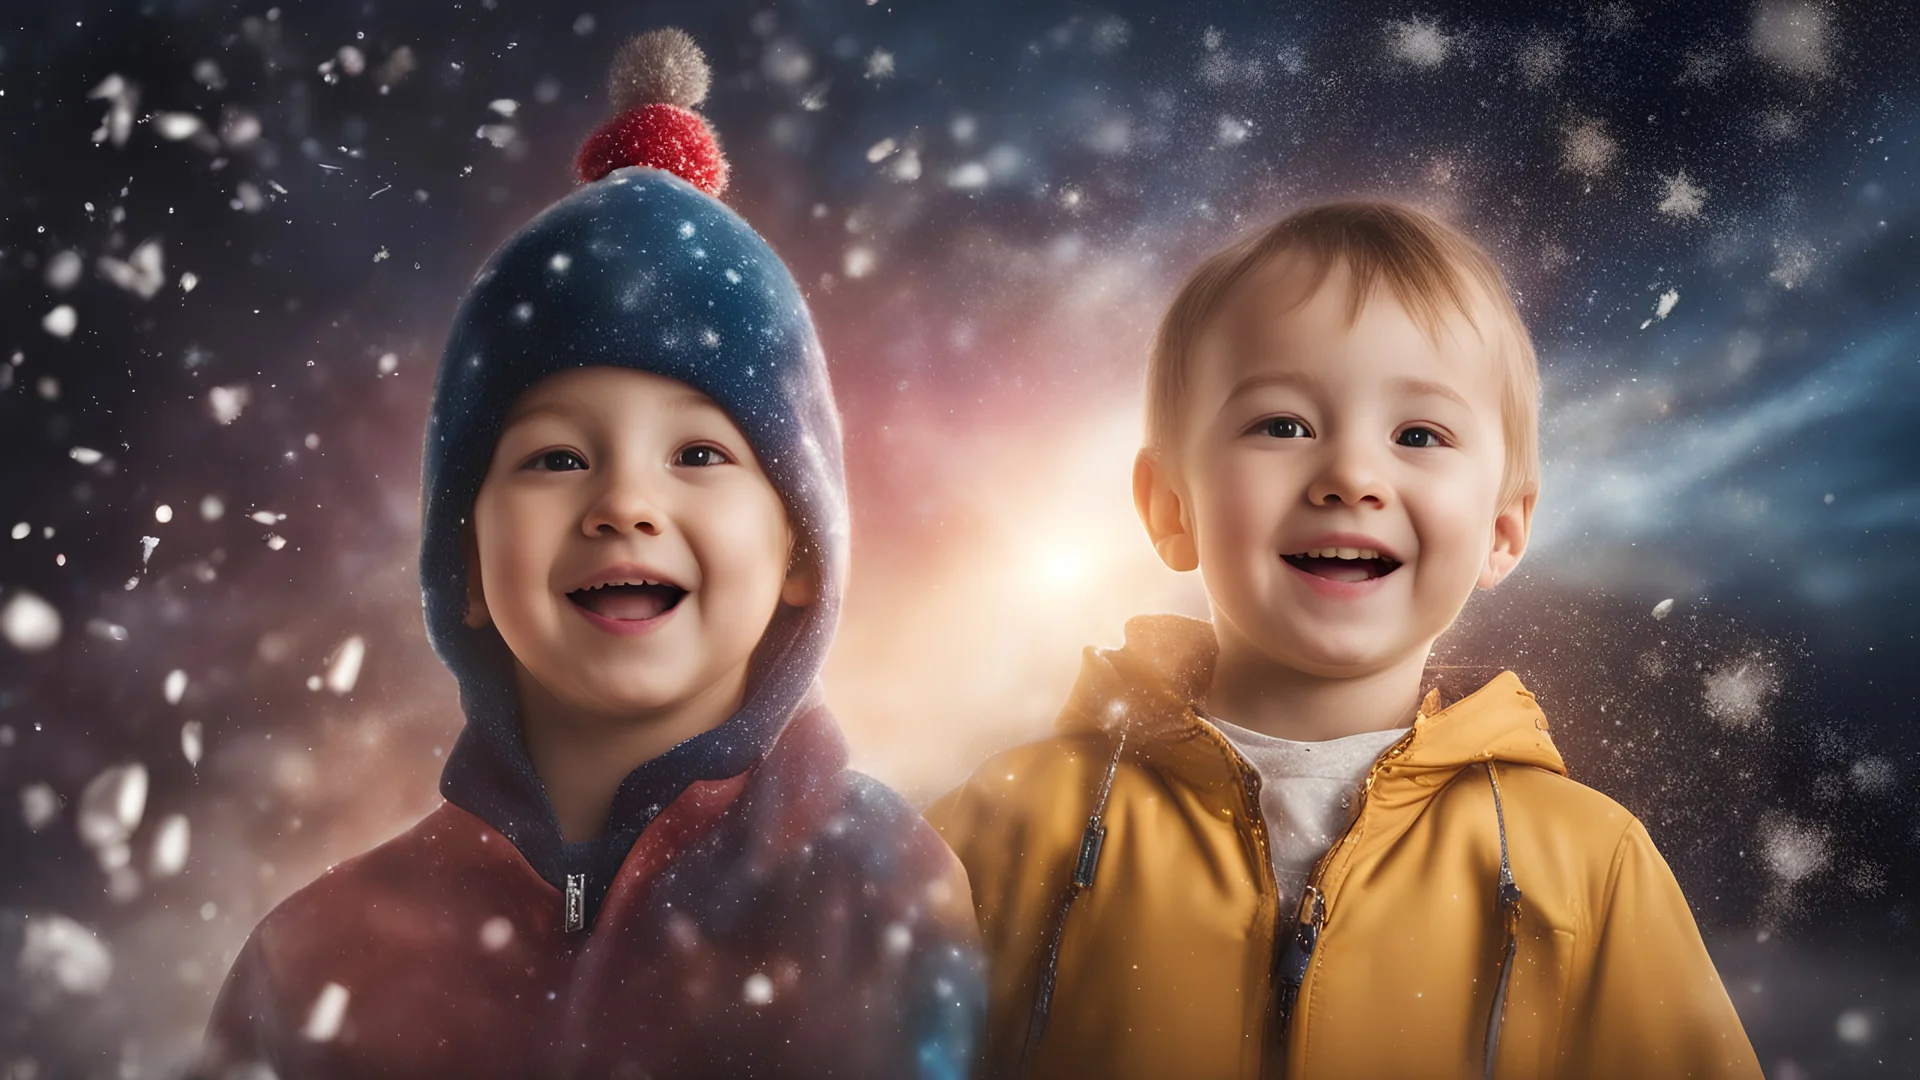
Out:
{"x": 898, "y": 939}
{"x": 1682, "y": 198}
{"x": 859, "y": 262}
{"x": 328, "y": 1011}
{"x": 110, "y": 809}
{"x": 39, "y": 805}
{"x": 879, "y": 65}
{"x": 60, "y": 322}
{"x": 190, "y": 741}
{"x": 1854, "y": 1027}
{"x": 176, "y": 126}
{"x": 123, "y": 98}
{"x": 59, "y": 955}
{"x": 1793, "y": 36}
{"x": 496, "y": 933}
{"x": 63, "y": 270}
{"x": 1231, "y": 131}
{"x": 1792, "y": 264}
{"x": 969, "y": 176}
{"x": 1587, "y": 149}
{"x": 1873, "y": 776}
{"x": 1777, "y": 124}
{"x": 1663, "y": 307}
{"x": 171, "y": 840}
{"x": 343, "y": 668}
{"x": 1703, "y": 66}
{"x": 1664, "y": 608}
{"x": 227, "y": 402}
{"x": 1792, "y": 850}
{"x": 1737, "y": 693}
{"x": 1418, "y": 43}
{"x": 1541, "y": 60}
{"x": 29, "y": 623}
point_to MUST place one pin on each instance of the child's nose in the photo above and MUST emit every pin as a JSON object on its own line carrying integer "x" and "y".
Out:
{"x": 623, "y": 504}
{"x": 1350, "y": 476}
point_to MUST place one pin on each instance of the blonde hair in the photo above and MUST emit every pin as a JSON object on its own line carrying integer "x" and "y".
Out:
{"x": 1430, "y": 267}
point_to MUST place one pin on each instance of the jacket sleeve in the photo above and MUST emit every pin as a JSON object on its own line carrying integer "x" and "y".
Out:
{"x": 1653, "y": 1004}
{"x": 946, "y": 984}
{"x": 242, "y": 1028}
{"x": 996, "y": 842}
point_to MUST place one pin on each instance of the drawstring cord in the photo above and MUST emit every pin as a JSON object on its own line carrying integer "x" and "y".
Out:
{"x": 1088, "y": 862}
{"x": 1509, "y": 904}
{"x": 1091, "y": 842}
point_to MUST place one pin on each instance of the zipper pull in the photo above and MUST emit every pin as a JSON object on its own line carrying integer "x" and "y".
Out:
{"x": 1089, "y": 861}
{"x": 1298, "y": 951}
{"x": 575, "y": 910}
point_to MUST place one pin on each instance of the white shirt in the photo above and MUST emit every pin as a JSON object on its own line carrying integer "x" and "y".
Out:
{"x": 1309, "y": 794}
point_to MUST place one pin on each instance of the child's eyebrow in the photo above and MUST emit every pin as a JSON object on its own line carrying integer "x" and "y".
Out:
{"x": 1299, "y": 380}
{"x": 521, "y": 415}
{"x": 694, "y": 399}
{"x": 1417, "y": 387}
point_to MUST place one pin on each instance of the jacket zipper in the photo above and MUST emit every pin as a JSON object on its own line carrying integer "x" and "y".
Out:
{"x": 1294, "y": 959}
{"x": 573, "y": 908}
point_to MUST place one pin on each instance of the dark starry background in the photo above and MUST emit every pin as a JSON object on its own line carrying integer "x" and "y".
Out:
{"x": 988, "y": 205}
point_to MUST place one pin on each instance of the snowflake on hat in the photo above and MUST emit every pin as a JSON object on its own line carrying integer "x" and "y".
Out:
{"x": 656, "y": 81}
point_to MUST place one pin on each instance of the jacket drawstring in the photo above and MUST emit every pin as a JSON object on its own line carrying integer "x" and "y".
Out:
{"x": 1091, "y": 842}
{"x": 1509, "y": 904}
{"x": 1083, "y": 870}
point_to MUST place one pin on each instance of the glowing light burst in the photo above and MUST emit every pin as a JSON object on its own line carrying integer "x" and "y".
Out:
{"x": 952, "y": 651}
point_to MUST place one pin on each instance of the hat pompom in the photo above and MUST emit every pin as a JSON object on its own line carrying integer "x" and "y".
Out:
{"x": 658, "y": 67}
{"x": 657, "y": 78}
{"x": 657, "y": 136}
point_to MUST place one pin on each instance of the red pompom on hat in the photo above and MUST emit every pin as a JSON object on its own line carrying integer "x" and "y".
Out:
{"x": 657, "y": 78}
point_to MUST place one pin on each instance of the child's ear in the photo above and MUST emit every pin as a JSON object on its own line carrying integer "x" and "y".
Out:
{"x": 1161, "y": 512}
{"x": 477, "y": 615}
{"x": 1510, "y": 530}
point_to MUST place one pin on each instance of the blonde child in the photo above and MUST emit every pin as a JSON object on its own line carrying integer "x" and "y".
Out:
{"x": 1258, "y": 846}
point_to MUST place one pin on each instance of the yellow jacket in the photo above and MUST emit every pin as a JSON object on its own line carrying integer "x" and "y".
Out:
{"x": 1167, "y": 964}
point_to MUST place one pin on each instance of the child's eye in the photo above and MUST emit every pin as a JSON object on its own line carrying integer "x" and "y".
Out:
{"x": 700, "y": 456}
{"x": 1284, "y": 427}
{"x": 557, "y": 461}
{"x": 1420, "y": 437}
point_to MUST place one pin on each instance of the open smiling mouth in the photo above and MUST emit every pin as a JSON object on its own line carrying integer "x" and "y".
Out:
{"x": 630, "y": 602}
{"x": 1343, "y": 564}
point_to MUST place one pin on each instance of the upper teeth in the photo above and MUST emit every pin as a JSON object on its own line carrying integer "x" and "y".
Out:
{"x": 604, "y": 584}
{"x": 1340, "y": 553}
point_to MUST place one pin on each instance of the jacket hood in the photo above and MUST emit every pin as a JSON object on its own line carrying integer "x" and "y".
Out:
{"x": 639, "y": 270}
{"x": 1155, "y": 683}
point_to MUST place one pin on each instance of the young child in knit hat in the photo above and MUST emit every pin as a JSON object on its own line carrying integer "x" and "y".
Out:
{"x": 1264, "y": 845}
{"x": 652, "y": 859}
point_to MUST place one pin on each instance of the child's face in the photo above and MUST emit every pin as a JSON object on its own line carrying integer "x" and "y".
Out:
{"x": 630, "y": 550}
{"x": 1303, "y": 432}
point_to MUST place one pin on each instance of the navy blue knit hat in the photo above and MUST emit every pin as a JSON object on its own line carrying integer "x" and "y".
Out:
{"x": 639, "y": 270}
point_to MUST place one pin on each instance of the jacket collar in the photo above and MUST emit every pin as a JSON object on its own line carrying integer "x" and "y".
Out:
{"x": 1153, "y": 685}
{"x": 490, "y": 775}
